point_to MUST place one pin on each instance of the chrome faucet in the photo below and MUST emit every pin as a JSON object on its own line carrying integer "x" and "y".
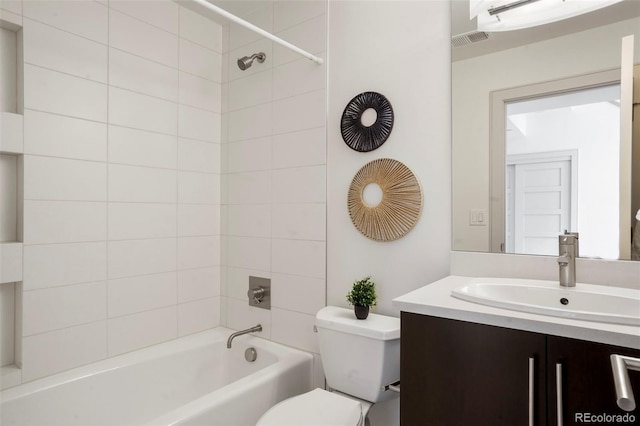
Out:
{"x": 241, "y": 332}
{"x": 568, "y": 251}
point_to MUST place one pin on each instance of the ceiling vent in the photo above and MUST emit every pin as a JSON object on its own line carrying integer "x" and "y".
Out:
{"x": 468, "y": 38}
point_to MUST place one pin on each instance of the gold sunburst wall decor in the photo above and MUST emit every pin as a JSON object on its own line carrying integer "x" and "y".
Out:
{"x": 399, "y": 208}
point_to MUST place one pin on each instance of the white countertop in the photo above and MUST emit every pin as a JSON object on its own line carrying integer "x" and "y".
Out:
{"x": 435, "y": 299}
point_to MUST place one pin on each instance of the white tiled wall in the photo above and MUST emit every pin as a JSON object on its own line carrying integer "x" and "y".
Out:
{"x": 122, "y": 123}
{"x": 275, "y": 176}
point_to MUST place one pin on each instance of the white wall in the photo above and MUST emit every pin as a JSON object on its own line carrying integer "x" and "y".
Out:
{"x": 401, "y": 50}
{"x": 475, "y": 78}
{"x": 275, "y": 176}
{"x": 122, "y": 111}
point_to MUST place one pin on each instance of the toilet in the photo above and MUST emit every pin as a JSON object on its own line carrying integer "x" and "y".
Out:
{"x": 360, "y": 357}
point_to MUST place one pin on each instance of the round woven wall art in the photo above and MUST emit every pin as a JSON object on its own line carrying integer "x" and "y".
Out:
{"x": 363, "y": 136}
{"x": 398, "y": 210}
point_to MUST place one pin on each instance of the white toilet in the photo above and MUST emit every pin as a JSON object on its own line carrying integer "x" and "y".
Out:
{"x": 359, "y": 358}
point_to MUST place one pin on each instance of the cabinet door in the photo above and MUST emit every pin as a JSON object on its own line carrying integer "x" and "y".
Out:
{"x": 587, "y": 387}
{"x": 455, "y": 373}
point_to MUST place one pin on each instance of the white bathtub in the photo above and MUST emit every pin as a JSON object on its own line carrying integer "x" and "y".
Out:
{"x": 194, "y": 380}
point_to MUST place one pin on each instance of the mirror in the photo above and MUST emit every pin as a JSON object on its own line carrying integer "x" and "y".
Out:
{"x": 489, "y": 68}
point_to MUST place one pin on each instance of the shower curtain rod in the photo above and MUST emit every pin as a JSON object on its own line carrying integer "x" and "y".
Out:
{"x": 258, "y": 30}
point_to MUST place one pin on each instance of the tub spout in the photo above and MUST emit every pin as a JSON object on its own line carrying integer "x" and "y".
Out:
{"x": 241, "y": 332}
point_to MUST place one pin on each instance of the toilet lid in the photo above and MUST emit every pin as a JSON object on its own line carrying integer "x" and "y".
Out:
{"x": 315, "y": 408}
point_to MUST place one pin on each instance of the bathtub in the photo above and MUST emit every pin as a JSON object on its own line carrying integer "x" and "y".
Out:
{"x": 194, "y": 380}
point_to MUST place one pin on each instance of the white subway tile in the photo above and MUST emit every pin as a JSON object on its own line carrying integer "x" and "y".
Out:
{"x": 61, "y": 51}
{"x": 142, "y": 75}
{"x": 60, "y": 136}
{"x": 200, "y": 93}
{"x": 11, "y": 257}
{"x": 48, "y": 178}
{"x": 301, "y": 112}
{"x": 310, "y": 35}
{"x": 52, "y": 265}
{"x": 162, "y": 14}
{"x": 133, "y": 36}
{"x": 249, "y": 188}
{"x": 296, "y": 257}
{"x": 142, "y": 112}
{"x": 294, "y": 329}
{"x": 140, "y": 257}
{"x": 142, "y": 184}
{"x": 249, "y": 253}
{"x": 11, "y": 133}
{"x": 306, "y": 221}
{"x": 251, "y": 90}
{"x": 51, "y": 91}
{"x": 138, "y": 294}
{"x": 137, "y": 331}
{"x": 300, "y": 185}
{"x": 85, "y": 18}
{"x": 13, "y": 6}
{"x": 298, "y": 77}
{"x": 61, "y": 307}
{"x": 200, "y": 61}
{"x": 290, "y": 13}
{"x": 8, "y": 338}
{"x": 198, "y": 252}
{"x": 198, "y": 188}
{"x": 299, "y": 294}
{"x": 241, "y": 316}
{"x": 200, "y": 30}
{"x": 262, "y": 18}
{"x": 318, "y": 380}
{"x": 128, "y": 221}
{"x": 250, "y": 155}
{"x": 64, "y": 221}
{"x": 259, "y": 117}
{"x": 49, "y": 353}
{"x": 198, "y": 156}
{"x": 249, "y": 220}
{"x": 303, "y": 148}
{"x": 198, "y": 220}
{"x": 198, "y": 316}
{"x": 201, "y": 283}
{"x": 142, "y": 148}
{"x": 198, "y": 124}
{"x": 10, "y": 170}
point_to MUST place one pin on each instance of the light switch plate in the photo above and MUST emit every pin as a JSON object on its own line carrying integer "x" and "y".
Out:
{"x": 478, "y": 217}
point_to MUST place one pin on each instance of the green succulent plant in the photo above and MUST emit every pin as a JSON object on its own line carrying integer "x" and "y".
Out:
{"x": 363, "y": 293}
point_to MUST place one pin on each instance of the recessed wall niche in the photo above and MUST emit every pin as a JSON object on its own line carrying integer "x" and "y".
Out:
{"x": 11, "y": 198}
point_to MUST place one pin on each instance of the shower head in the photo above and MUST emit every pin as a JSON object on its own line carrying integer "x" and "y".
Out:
{"x": 246, "y": 61}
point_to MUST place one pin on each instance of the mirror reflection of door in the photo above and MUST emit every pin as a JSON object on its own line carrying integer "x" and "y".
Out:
{"x": 562, "y": 159}
{"x": 539, "y": 191}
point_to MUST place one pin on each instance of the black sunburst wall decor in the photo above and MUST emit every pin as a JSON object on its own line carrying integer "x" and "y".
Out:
{"x": 358, "y": 136}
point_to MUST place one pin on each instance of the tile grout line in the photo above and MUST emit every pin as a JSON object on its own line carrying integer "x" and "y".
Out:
{"x": 108, "y": 162}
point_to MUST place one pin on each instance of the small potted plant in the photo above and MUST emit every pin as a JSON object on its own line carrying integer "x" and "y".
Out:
{"x": 362, "y": 296}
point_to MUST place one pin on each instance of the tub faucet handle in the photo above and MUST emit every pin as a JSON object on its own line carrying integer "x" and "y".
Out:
{"x": 257, "y": 294}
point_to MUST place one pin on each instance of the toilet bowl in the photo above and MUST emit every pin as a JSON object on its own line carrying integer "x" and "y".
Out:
{"x": 317, "y": 408}
{"x": 359, "y": 358}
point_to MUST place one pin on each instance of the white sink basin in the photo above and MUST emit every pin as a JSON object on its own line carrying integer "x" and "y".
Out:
{"x": 583, "y": 302}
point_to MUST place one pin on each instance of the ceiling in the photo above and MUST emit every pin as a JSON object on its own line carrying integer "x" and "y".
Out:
{"x": 460, "y": 24}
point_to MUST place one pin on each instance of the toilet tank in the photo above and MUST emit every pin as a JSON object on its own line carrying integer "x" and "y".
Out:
{"x": 359, "y": 357}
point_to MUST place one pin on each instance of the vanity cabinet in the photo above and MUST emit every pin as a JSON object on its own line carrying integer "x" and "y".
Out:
{"x": 456, "y": 373}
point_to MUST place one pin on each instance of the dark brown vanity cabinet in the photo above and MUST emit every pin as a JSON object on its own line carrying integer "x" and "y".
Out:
{"x": 455, "y": 373}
